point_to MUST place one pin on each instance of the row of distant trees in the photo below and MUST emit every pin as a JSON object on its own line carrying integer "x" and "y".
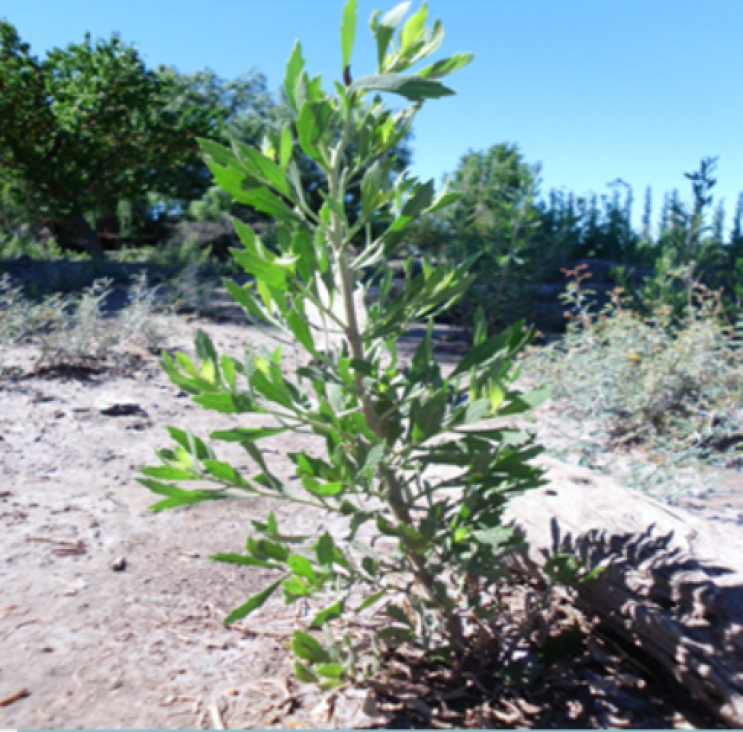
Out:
{"x": 524, "y": 239}
{"x": 96, "y": 147}
{"x": 93, "y": 143}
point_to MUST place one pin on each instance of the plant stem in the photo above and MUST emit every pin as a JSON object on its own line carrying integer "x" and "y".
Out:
{"x": 393, "y": 490}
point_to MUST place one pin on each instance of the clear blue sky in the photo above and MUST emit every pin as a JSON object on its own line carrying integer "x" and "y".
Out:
{"x": 593, "y": 89}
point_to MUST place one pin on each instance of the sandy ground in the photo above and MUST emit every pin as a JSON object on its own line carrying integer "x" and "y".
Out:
{"x": 110, "y": 615}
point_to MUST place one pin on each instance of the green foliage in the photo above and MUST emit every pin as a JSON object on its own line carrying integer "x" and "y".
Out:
{"x": 87, "y": 127}
{"x": 495, "y": 220}
{"x": 409, "y": 453}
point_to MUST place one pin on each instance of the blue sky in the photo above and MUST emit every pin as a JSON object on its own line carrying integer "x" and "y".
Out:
{"x": 595, "y": 90}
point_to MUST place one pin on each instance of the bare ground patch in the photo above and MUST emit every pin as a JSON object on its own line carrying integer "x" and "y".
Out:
{"x": 110, "y": 615}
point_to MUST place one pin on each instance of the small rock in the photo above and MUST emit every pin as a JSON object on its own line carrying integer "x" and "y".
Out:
{"x": 119, "y": 564}
{"x": 116, "y": 405}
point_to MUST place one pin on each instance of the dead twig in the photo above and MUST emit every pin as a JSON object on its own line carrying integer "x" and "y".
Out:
{"x": 67, "y": 548}
{"x": 22, "y": 694}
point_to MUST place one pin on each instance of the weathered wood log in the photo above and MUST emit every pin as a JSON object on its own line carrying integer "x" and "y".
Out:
{"x": 673, "y": 583}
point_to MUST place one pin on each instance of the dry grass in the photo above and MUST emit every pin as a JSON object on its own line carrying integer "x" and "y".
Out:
{"x": 69, "y": 330}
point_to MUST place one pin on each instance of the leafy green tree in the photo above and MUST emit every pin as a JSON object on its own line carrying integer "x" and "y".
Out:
{"x": 87, "y": 127}
{"x": 496, "y": 219}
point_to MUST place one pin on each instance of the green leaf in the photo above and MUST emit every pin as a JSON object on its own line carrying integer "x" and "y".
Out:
{"x": 228, "y": 371}
{"x": 398, "y": 614}
{"x": 301, "y": 330}
{"x": 373, "y": 459}
{"x": 330, "y": 670}
{"x": 272, "y": 525}
{"x": 192, "y": 444}
{"x": 245, "y": 297}
{"x": 527, "y": 402}
{"x": 287, "y": 147}
{"x": 435, "y": 39}
{"x": 477, "y": 411}
{"x": 348, "y": 32}
{"x": 413, "y": 88}
{"x": 443, "y": 201}
{"x": 325, "y": 550}
{"x": 321, "y": 489}
{"x": 204, "y": 347}
{"x": 225, "y": 472}
{"x": 246, "y": 434}
{"x": 221, "y": 155}
{"x": 256, "y": 601}
{"x": 482, "y": 353}
{"x": 384, "y": 29}
{"x": 261, "y": 199}
{"x": 242, "y": 560}
{"x": 168, "y": 473}
{"x": 295, "y": 588}
{"x": 233, "y": 182}
{"x": 312, "y": 124}
{"x": 301, "y": 566}
{"x": 263, "y": 169}
{"x": 413, "y": 30}
{"x": 304, "y": 674}
{"x": 177, "y": 497}
{"x": 446, "y": 66}
{"x": 329, "y": 613}
{"x": 308, "y": 649}
{"x": 371, "y": 600}
{"x": 426, "y": 418}
{"x": 294, "y": 69}
{"x": 265, "y": 549}
{"x": 225, "y": 403}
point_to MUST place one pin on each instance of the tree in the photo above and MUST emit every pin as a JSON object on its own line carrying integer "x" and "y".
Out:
{"x": 89, "y": 126}
{"x": 496, "y": 219}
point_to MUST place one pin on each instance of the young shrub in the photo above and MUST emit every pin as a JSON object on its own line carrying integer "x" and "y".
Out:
{"x": 409, "y": 453}
{"x": 668, "y": 384}
{"x": 137, "y": 323}
{"x": 75, "y": 329}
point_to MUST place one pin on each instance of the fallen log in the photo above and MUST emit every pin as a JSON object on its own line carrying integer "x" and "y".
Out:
{"x": 672, "y": 584}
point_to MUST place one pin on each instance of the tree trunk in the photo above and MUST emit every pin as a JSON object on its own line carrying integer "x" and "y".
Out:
{"x": 673, "y": 583}
{"x": 89, "y": 237}
{"x": 70, "y": 233}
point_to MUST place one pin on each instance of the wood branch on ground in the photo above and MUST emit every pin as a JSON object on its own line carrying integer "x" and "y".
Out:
{"x": 672, "y": 584}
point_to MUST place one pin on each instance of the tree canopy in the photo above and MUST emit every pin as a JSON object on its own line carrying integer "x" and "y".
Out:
{"x": 89, "y": 126}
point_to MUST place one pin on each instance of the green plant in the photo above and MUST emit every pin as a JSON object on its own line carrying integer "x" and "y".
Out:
{"x": 408, "y": 453}
{"x": 495, "y": 220}
{"x": 137, "y": 321}
{"x": 191, "y": 290}
{"x": 624, "y": 380}
{"x": 74, "y": 329}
